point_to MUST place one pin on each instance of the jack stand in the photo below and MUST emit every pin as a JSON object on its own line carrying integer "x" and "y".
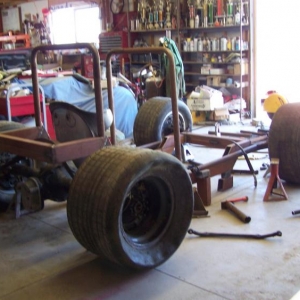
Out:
{"x": 217, "y": 129}
{"x": 267, "y": 171}
{"x": 16, "y": 202}
{"x": 186, "y": 153}
{"x": 27, "y": 198}
{"x": 273, "y": 181}
{"x": 199, "y": 209}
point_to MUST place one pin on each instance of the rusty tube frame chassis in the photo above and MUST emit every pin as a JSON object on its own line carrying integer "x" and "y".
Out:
{"x": 30, "y": 142}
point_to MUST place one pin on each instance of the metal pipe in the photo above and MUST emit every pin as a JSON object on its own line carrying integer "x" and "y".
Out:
{"x": 235, "y": 235}
{"x": 97, "y": 80}
{"x": 147, "y": 50}
{"x": 229, "y": 206}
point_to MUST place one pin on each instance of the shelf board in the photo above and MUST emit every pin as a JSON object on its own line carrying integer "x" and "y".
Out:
{"x": 153, "y": 30}
{"x": 191, "y": 62}
{"x": 212, "y": 28}
{"x": 188, "y": 84}
{"x": 223, "y": 75}
{"x": 218, "y": 28}
{"x": 218, "y": 51}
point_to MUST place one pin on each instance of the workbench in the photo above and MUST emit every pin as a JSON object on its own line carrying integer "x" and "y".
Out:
{"x": 23, "y": 106}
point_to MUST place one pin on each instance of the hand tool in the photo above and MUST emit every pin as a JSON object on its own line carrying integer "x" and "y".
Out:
{"x": 295, "y": 212}
{"x": 228, "y": 204}
{"x": 235, "y": 235}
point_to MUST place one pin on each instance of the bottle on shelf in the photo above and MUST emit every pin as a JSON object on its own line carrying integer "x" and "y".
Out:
{"x": 197, "y": 21}
{"x": 237, "y": 44}
{"x": 200, "y": 44}
{"x": 229, "y": 46}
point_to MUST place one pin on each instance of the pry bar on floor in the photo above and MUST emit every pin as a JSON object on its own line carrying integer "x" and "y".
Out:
{"x": 235, "y": 235}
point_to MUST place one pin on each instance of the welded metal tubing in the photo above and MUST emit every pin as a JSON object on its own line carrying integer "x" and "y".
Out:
{"x": 97, "y": 80}
{"x": 146, "y": 50}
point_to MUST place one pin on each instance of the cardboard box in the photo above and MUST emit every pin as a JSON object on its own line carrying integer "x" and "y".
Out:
{"x": 213, "y": 80}
{"x": 240, "y": 69}
{"x": 205, "y": 69}
{"x": 203, "y": 104}
{"x": 216, "y": 71}
{"x": 219, "y": 114}
{"x": 198, "y": 116}
{"x": 196, "y": 104}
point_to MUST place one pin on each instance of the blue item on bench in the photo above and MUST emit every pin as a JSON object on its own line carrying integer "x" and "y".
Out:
{"x": 82, "y": 95}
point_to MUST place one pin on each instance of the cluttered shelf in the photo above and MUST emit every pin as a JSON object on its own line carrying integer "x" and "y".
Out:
{"x": 214, "y": 51}
{"x": 15, "y": 41}
{"x": 223, "y": 75}
{"x": 215, "y": 104}
{"x": 190, "y": 62}
{"x": 215, "y": 28}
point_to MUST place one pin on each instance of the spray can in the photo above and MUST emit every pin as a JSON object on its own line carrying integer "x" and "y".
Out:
{"x": 200, "y": 45}
{"x": 197, "y": 21}
{"x": 195, "y": 44}
{"x": 214, "y": 44}
{"x": 191, "y": 45}
{"x": 237, "y": 44}
{"x": 229, "y": 46}
{"x": 208, "y": 44}
{"x": 223, "y": 44}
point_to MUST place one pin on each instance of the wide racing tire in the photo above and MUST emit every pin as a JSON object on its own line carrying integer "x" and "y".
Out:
{"x": 284, "y": 141}
{"x": 155, "y": 120}
{"x": 131, "y": 206}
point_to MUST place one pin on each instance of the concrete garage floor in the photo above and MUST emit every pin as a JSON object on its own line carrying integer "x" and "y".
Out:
{"x": 40, "y": 258}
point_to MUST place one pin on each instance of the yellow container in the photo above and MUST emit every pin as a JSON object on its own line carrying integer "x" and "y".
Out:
{"x": 198, "y": 116}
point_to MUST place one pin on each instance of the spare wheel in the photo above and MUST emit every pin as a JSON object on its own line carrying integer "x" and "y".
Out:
{"x": 155, "y": 120}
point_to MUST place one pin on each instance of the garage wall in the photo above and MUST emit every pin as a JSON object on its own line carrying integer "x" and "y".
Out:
{"x": 276, "y": 49}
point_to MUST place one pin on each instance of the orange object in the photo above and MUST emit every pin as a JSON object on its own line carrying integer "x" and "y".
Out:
{"x": 244, "y": 198}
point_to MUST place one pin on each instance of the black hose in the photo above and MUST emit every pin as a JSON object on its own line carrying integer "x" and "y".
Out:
{"x": 248, "y": 162}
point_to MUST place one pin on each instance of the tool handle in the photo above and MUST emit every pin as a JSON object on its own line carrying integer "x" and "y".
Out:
{"x": 295, "y": 212}
{"x": 237, "y": 212}
{"x": 244, "y": 198}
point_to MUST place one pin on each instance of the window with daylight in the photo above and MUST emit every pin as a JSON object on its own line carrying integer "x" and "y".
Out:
{"x": 75, "y": 25}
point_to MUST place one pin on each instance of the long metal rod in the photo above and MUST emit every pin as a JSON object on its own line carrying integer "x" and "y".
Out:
{"x": 146, "y": 50}
{"x": 235, "y": 235}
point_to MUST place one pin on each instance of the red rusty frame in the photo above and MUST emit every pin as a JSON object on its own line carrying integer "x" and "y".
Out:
{"x": 223, "y": 165}
{"x": 29, "y": 142}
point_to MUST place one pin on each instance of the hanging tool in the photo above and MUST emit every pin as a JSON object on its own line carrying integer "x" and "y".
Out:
{"x": 228, "y": 204}
{"x": 235, "y": 235}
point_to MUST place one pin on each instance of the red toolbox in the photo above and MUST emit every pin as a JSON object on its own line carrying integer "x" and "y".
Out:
{"x": 23, "y": 106}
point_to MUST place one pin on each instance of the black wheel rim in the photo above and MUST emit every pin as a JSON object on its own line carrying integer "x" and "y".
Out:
{"x": 168, "y": 124}
{"x": 146, "y": 211}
